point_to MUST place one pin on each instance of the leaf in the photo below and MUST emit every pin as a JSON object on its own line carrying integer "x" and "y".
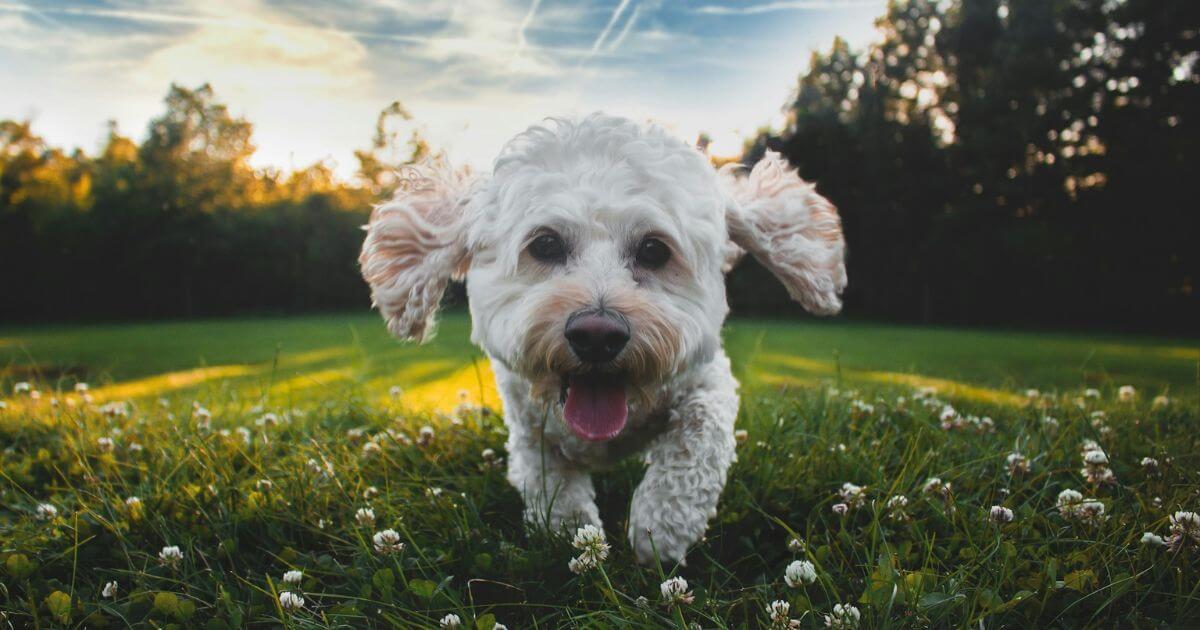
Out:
{"x": 19, "y": 566}
{"x": 1081, "y": 580}
{"x": 166, "y": 604}
{"x": 383, "y": 581}
{"x": 483, "y": 561}
{"x": 59, "y": 605}
{"x": 881, "y": 585}
{"x": 422, "y": 588}
{"x": 486, "y": 622}
{"x": 933, "y": 600}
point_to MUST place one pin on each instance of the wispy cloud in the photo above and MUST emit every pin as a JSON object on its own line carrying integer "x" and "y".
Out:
{"x": 311, "y": 74}
{"x": 612, "y": 20}
{"x": 793, "y": 5}
{"x": 629, "y": 24}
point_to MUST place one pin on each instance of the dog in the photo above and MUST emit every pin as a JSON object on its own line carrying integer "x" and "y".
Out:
{"x": 594, "y": 256}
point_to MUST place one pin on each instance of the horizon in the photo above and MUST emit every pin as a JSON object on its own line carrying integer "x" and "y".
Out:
{"x": 312, "y": 79}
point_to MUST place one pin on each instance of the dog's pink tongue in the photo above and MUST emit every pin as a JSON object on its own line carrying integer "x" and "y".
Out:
{"x": 595, "y": 408}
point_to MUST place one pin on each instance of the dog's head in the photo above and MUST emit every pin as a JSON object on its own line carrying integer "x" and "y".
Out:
{"x": 595, "y": 256}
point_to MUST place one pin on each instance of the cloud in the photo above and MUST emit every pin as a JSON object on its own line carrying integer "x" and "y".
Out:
{"x": 793, "y": 5}
{"x": 612, "y": 20}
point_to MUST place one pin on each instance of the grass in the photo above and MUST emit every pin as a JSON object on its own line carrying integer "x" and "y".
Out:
{"x": 325, "y": 381}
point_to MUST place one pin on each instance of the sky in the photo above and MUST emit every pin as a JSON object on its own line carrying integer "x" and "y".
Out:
{"x": 312, "y": 75}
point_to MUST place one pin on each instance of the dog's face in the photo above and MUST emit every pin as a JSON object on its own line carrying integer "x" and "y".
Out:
{"x": 595, "y": 257}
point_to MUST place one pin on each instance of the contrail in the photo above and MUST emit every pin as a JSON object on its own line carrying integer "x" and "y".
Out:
{"x": 616, "y": 15}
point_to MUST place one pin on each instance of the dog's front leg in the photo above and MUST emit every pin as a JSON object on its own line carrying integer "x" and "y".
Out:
{"x": 688, "y": 463}
{"x": 556, "y": 494}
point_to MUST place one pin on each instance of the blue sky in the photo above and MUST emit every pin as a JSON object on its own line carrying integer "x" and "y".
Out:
{"x": 311, "y": 75}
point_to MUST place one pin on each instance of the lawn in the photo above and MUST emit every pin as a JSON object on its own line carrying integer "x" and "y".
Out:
{"x": 262, "y": 446}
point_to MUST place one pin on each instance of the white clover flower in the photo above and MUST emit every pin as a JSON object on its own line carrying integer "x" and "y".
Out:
{"x": 924, "y": 392}
{"x": 46, "y": 512}
{"x": 110, "y": 590}
{"x": 741, "y": 436}
{"x": 387, "y": 541}
{"x": 1017, "y": 464}
{"x": 1161, "y": 401}
{"x": 590, "y": 540}
{"x": 795, "y": 545}
{"x": 425, "y": 436}
{"x": 354, "y": 434}
{"x": 1126, "y": 393}
{"x": 860, "y": 408}
{"x": 935, "y": 485}
{"x": 1091, "y": 392}
{"x": 840, "y": 509}
{"x": 799, "y": 573}
{"x": 35, "y": 395}
{"x": 451, "y": 621}
{"x": 22, "y": 388}
{"x": 779, "y": 612}
{"x": 395, "y": 391}
{"x": 581, "y": 564}
{"x": 371, "y": 448}
{"x": 1150, "y": 463}
{"x": 81, "y": 387}
{"x": 365, "y": 516}
{"x": 844, "y": 617}
{"x": 1068, "y": 501}
{"x": 134, "y": 447}
{"x": 293, "y": 577}
{"x": 1089, "y": 445}
{"x": 115, "y": 408}
{"x": 1032, "y": 394}
{"x": 245, "y": 434}
{"x": 323, "y": 469}
{"x": 433, "y": 492}
{"x": 949, "y": 417}
{"x": 1185, "y": 529}
{"x": 291, "y": 602}
{"x": 1151, "y": 539}
{"x": 1095, "y": 458}
{"x": 133, "y": 502}
{"x": 1000, "y": 514}
{"x": 370, "y": 493}
{"x": 675, "y": 591}
{"x": 105, "y": 444}
{"x": 1050, "y": 423}
{"x": 170, "y": 554}
{"x": 499, "y": 626}
{"x": 853, "y": 495}
{"x": 264, "y": 484}
{"x": 488, "y": 455}
{"x": 1091, "y": 511}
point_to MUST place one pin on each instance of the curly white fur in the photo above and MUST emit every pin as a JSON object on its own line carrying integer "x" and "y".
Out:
{"x": 604, "y": 183}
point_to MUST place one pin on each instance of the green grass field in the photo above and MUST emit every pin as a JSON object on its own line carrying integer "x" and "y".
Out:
{"x": 305, "y": 432}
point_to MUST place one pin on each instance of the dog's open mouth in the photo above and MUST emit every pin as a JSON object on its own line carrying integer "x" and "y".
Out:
{"x": 594, "y": 405}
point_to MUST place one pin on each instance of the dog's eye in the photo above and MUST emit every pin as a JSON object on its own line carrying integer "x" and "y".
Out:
{"x": 652, "y": 253}
{"x": 548, "y": 248}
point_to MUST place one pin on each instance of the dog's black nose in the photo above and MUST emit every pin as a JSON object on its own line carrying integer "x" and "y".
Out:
{"x": 596, "y": 337}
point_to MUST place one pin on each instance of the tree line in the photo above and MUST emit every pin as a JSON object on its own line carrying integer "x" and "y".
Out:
{"x": 1021, "y": 162}
{"x": 1008, "y": 161}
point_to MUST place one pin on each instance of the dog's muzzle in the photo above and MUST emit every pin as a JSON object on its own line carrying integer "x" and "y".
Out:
{"x": 594, "y": 400}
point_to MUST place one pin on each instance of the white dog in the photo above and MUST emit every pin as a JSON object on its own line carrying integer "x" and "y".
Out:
{"x": 594, "y": 256}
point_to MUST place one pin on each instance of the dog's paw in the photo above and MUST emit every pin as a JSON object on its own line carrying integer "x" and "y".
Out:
{"x": 649, "y": 544}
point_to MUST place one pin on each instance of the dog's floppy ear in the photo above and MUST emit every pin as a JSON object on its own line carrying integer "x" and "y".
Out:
{"x": 792, "y": 231}
{"x": 415, "y": 244}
